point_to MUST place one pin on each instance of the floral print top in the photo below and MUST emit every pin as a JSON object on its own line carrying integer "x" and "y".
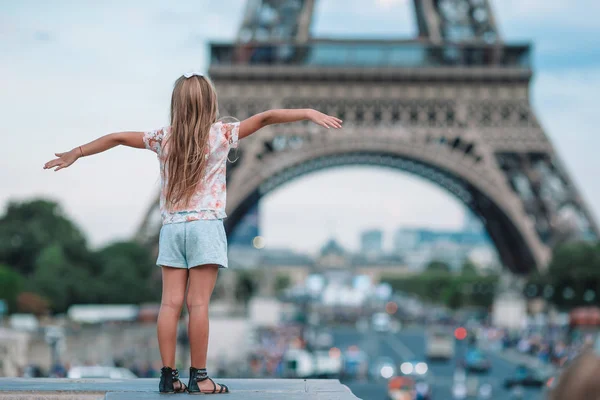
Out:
{"x": 209, "y": 200}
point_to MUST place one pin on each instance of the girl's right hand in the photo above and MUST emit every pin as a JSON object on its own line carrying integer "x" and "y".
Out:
{"x": 63, "y": 160}
{"x": 325, "y": 120}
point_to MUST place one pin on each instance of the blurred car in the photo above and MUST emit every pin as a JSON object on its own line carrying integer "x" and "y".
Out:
{"x": 464, "y": 386}
{"x": 23, "y": 322}
{"x": 401, "y": 388}
{"x": 422, "y": 390}
{"x": 381, "y": 322}
{"x": 459, "y": 390}
{"x": 383, "y": 368}
{"x": 439, "y": 345}
{"x": 99, "y": 372}
{"x": 415, "y": 368}
{"x": 527, "y": 377}
{"x": 476, "y": 361}
{"x": 33, "y": 371}
{"x": 485, "y": 391}
{"x": 327, "y": 364}
{"x": 298, "y": 363}
{"x": 354, "y": 362}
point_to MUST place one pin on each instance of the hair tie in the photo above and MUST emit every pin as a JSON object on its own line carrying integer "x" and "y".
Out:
{"x": 193, "y": 73}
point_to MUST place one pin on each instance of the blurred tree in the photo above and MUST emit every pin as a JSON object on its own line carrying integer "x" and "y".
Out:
{"x": 482, "y": 290}
{"x": 126, "y": 274}
{"x": 438, "y": 267}
{"x": 452, "y": 296}
{"x": 29, "y": 227}
{"x": 50, "y": 252}
{"x": 453, "y": 291}
{"x": 574, "y": 274}
{"x": 245, "y": 287}
{"x": 468, "y": 268}
{"x": 28, "y": 302}
{"x": 11, "y": 284}
{"x": 535, "y": 285}
{"x": 51, "y": 277}
{"x": 282, "y": 282}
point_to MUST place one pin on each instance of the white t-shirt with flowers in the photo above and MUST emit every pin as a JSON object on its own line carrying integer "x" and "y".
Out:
{"x": 209, "y": 200}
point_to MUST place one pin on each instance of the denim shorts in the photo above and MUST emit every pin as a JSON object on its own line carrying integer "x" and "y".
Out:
{"x": 193, "y": 243}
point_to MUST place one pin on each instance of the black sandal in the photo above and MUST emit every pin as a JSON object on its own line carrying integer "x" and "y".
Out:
{"x": 169, "y": 376}
{"x": 200, "y": 375}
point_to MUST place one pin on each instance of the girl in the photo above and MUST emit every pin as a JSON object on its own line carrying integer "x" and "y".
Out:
{"x": 192, "y": 153}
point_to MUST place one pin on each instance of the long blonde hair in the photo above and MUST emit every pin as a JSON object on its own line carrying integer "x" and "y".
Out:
{"x": 193, "y": 111}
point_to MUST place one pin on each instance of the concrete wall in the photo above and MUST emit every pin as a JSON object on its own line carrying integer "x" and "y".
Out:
{"x": 138, "y": 343}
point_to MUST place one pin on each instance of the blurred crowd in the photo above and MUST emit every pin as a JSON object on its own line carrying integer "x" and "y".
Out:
{"x": 553, "y": 345}
{"x": 267, "y": 357}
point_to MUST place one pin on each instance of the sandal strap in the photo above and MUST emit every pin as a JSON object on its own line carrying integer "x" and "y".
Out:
{"x": 202, "y": 375}
{"x": 222, "y": 388}
{"x": 182, "y": 387}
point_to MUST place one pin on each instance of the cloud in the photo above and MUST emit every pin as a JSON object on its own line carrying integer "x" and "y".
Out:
{"x": 78, "y": 70}
{"x": 523, "y": 15}
{"x": 566, "y": 102}
{"x": 341, "y": 202}
{"x": 43, "y": 36}
{"x": 360, "y": 18}
{"x": 387, "y": 4}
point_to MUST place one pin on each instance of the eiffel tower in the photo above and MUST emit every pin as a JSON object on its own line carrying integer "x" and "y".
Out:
{"x": 451, "y": 105}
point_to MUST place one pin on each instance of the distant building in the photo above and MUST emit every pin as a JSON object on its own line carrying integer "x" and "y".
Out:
{"x": 485, "y": 259}
{"x": 371, "y": 242}
{"x": 472, "y": 223}
{"x": 419, "y": 246}
{"x": 333, "y": 255}
{"x": 406, "y": 240}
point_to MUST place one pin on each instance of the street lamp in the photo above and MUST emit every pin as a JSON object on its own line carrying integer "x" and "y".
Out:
{"x": 568, "y": 293}
{"x": 548, "y": 292}
{"x": 589, "y": 296}
{"x": 54, "y": 335}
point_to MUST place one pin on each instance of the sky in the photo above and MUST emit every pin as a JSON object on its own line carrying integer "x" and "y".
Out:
{"x": 73, "y": 71}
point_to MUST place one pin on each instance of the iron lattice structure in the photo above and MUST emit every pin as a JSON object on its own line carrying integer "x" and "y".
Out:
{"x": 451, "y": 106}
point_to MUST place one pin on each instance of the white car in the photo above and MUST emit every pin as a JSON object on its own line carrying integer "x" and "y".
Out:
{"x": 439, "y": 345}
{"x": 381, "y": 322}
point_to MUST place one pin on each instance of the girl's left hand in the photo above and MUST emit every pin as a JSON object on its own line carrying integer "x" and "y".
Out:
{"x": 327, "y": 121}
{"x": 63, "y": 160}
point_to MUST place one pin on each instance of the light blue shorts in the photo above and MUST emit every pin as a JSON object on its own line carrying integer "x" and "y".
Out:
{"x": 194, "y": 243}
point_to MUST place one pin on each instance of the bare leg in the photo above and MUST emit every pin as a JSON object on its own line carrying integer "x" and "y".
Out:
{"x": 202, "y": 283}
{"x": 173, "y": 294}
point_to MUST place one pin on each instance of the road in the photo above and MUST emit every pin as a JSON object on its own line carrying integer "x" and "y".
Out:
{"x": 409, "y": 344}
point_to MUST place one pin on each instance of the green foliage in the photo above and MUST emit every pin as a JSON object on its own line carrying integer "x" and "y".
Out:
{"x": 29, "y": 227}
{"x": 246, "y": 286}
{"x": 438, "y": 266}
{"x": 126, "y": 274}
{"x": 469, "y": 268}
{"x": 452, "y": 296}
{"x": 50, "y": 263}
{"x": 454, "y": 291}
{"x": 11, "y": 284}
{"x": 572, "y": 278}
{"x": 51, "y": 277}
{"x": 282, "y": 282}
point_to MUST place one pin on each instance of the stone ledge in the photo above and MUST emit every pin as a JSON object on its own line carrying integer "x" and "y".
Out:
{"x": 137, "y": 389}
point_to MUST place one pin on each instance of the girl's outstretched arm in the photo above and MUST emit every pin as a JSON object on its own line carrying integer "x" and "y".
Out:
{"x": 258, "y": 121}
{"x": 131, "y": 139}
